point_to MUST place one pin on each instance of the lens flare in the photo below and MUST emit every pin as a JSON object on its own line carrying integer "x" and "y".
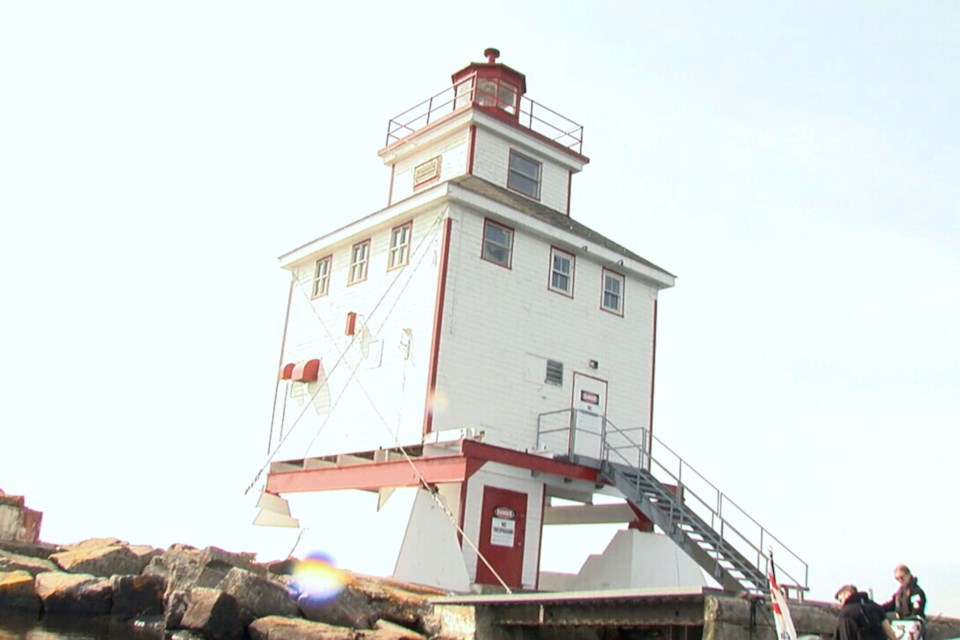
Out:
{"x": 318, "y": 578}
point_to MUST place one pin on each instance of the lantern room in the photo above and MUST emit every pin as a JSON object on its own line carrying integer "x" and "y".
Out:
{"x": 490, "y": 85}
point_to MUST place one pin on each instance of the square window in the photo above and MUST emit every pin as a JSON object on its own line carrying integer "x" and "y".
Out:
{"x": 524, "y": 175}
{"x": 321, "y": 277}
{"x": 561, "y": 271}
{"x": 613, "y": 285}
{"x": 400, "y": 246}
{"x": 358, "y": 262}
{"x": 554, "y": 373}
{"x": 497, "y": 243}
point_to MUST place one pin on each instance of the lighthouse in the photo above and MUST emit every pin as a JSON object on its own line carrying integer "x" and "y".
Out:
{"x": 476, "y": 343}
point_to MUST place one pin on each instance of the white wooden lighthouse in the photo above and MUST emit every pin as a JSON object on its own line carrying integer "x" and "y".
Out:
{"x": 475, "y": 343}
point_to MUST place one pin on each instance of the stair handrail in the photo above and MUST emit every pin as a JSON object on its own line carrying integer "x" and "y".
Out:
{"x": 727, "y": 530}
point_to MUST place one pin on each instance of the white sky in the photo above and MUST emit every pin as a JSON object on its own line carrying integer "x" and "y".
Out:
{"x": 796, "y": 164}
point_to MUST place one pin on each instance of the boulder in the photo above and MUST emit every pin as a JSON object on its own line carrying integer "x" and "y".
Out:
{"x": 213, "y": 613}
{"x": 386, "y": 630}
{"x": 137, "y": 596}
{"x": 402, "y": 603}
{"x": 18, "y": 593}
{"x": 185, "y": 567}
{"x": 105, "y": 560}
{"x": 349, "y": 608}
{"x": 10, "y": 561}
{"x": 176, "y": 605}
{"x": 259, "y": 596}
{"x": 73, "y": 594}
{"x": 280, "y": 628}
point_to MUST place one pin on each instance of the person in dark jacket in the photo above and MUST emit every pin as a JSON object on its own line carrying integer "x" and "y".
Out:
{"x": 860, "y": 617}
{"x": 909, "y": 601}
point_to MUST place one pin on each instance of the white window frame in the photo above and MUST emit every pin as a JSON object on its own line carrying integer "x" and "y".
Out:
{"x": 399, "y": 255}
{"x": 572, "y": 260}
{"x": 488, "y": 256}
{"x": 513, "y": 171}
{"x": 321, "y": 277}
{"x": 359, "y": 260}
{"x": 612, "y": 276}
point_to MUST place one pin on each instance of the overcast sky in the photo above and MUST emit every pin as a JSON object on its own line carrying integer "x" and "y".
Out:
{"x": 796, "y": 164}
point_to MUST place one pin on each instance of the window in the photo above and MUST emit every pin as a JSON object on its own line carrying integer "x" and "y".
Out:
{"x": 497, "y": 243}
{"x": 524, "y": 175}
{"x": 613, "y": 284}
{"x": 400, "y": 246}
{"x": 554, "y": 373}
{"x": 358, "y": 262}
{"x": 561, "y": 272}
{"x": 321, "y": 277}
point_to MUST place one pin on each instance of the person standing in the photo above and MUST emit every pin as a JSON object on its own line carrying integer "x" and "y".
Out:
{"x": 909, "y": 601}
{"x": 860, "y": 617}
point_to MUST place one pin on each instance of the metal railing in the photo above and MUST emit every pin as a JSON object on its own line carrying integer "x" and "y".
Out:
{"x": 491, "y": 93}
{"x": 558, "y": 431}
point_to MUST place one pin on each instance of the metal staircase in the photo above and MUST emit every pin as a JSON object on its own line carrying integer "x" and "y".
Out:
{"x": 713, "y": 530}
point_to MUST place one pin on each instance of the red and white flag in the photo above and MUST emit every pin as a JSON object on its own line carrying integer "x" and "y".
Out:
{"x": 781, "y": 612}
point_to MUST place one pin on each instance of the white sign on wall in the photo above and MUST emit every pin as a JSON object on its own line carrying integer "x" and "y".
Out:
{"x": 504, "y": 528}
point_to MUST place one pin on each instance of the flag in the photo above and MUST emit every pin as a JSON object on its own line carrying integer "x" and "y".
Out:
{"x": 781, "y": 612}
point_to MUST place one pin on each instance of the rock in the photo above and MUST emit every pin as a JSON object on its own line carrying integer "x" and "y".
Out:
{"x": 214, "y": 613}
{"x": 280, "y": 628}
{"x": 15, "y": 562}
{"x": 350, "y": 608}
{"x": 95, "y": 543}
{"x": 402, "y": 603}
{"x": 18, "y": 593}
{"x": 259, "y": 596}
{"x": 176, "y": 605}
{"x": 137, "y": 596}
{"x": 185, "y": 567}
{"x": 387, "y": 630}
{"x": 104, "y": 560}
{"x": 282, "y": 567}
{"x": 73, "y": 594}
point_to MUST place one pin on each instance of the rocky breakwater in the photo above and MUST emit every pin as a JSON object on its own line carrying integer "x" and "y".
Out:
{"x": 209, "y": 592}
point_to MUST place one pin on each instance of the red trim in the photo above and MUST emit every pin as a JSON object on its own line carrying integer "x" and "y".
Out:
{"x": 483, "y": 241}
{"x": 653, "y": 371}
{"x": 371, "y": 476}
{"x": 471, "y": 148}
{"x": 492, "y": 453}
{"x": 463, "y": 509}
{"x": 623, "y": 291}
{"x": 437, "y": 325}
{"x": 543, "y": 509}
{"x": 287, "y": 372}
{"x": 458, "y": 467}
{"x": 569, "y": 189}
{"x": 573, "y": 270}
{"x": 351, "y": 327}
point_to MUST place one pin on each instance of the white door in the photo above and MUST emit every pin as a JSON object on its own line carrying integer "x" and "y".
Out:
{"x": 589, "y": 408}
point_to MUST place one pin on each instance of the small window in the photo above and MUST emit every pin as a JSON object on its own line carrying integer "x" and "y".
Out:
{"x": 400, "y": 246}
{"x": 321, "y": 277}
{"x": 358, "y": 262}
{"x": 524, "y": 175}
{"x": 561, "y": 272}
{"x": 554, "y": 373}
{"x": 497, "y": 243}
{"x": 507, "y": 97}
{"x": 613, "y": 284}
